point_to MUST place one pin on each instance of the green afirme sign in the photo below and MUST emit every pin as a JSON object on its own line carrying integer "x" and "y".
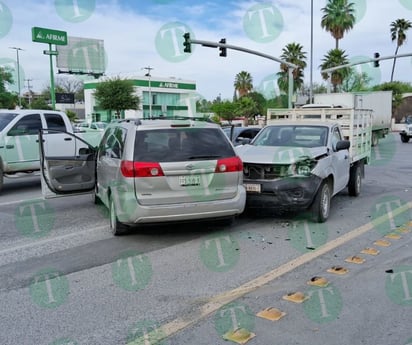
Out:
{"x": 50, "y": 36}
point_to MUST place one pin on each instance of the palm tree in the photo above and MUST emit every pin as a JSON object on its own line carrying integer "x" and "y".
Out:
{"x": 398, "y": 34}
{"x": 338, "y": 18}
{"x": 243, "y": 83}
{"x": 333, "y": 58}
{"x": 292, "y": 53}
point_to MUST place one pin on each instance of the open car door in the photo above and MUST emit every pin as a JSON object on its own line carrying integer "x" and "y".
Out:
{"x": 67, "y": 167}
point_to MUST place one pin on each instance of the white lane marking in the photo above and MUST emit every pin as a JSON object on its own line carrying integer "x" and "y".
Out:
{"x": 218, "y": 301}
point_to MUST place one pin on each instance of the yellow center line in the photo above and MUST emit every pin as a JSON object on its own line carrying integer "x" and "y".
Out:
{"x": 218, "y": 301}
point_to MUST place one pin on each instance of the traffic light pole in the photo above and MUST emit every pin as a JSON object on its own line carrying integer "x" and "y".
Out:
{"x": 332, "y": 69}
{"x": 291, "y": 66}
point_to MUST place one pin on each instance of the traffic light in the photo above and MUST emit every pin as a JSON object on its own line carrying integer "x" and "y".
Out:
{"x": 376, "y": 62}
{"x": 222, "y": 49}
{"x": 186, "y": 43}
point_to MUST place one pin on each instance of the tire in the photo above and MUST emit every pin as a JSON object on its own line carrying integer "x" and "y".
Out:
{"x": 355, "y": 180}
{"x": 116, "y": 227}
{"x": 404, "y": 139}
{"x": 321, "y": 205}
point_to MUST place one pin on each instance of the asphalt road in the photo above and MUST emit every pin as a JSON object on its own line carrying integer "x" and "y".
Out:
{"x": 65, "y": 280}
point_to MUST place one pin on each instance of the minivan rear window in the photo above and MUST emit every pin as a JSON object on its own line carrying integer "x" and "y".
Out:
{"x": 181, "y": 144}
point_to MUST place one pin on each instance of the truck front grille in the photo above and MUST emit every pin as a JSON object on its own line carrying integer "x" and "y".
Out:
{"x": 264, "y": 171}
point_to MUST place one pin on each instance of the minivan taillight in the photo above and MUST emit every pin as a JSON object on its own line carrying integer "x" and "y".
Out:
{"x": 231, "y": 164}
{"x": 140, "y": 169}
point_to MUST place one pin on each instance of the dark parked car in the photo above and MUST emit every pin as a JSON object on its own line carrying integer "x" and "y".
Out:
{"x": 237, "y": 134}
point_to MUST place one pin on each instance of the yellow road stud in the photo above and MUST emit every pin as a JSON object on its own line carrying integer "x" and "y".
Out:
{"x": 239, "y": 335}
{"x": 271, "y": 313}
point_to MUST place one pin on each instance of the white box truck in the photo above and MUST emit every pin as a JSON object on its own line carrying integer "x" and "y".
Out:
{"x": 380, "y": 102}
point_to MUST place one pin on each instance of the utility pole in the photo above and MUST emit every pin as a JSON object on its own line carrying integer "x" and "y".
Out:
{"x": 148, "y": 69}
{"x": 18, "y": 73}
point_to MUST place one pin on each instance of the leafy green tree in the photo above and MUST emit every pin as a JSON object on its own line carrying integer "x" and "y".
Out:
{"x": 225, "y": 110}
{"x": 8, "y": 100}
{"x": 40, "y": 103}
{"x": 338, "y": 18}
{"x": 293, "y": 53}
{"x": 333, "y": 58}
{"x": 398, "y": 88}
{"x": 356, "y": 81}
{"x": 260, "y": 101}
{"x": 117, "y": 95}
{"x": 243, "y": 83}
{"x": 398, "y": 34}
{"x": 246, "y": 107}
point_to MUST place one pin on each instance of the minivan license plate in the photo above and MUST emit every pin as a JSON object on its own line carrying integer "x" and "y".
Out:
{"x": 253, "y": 187}
{"x": 189, "y": 180}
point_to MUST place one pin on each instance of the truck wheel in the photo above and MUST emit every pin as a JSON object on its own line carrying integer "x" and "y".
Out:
{"x": 404, "y": 139}
{"x": 355, "y": 180}
{"x": 116, "y": 227}
{"x": 321, "y": 205}
{"x": 375, "y": 140}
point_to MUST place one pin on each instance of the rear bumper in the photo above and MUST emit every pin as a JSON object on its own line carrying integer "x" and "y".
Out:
{"x": 138, "y": 214}
{"x": 284, "y": 194}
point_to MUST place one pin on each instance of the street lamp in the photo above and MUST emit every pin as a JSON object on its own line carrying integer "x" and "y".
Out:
{"x": 18, "y": 72}
{"x": 148, "y": 69}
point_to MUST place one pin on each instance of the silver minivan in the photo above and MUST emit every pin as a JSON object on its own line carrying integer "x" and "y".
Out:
{"x": 153, "y": 171}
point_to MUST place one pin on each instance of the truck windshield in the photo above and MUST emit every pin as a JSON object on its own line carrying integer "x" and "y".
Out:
{"x": 5, "y": 119}
{"x": 292, "y": 135}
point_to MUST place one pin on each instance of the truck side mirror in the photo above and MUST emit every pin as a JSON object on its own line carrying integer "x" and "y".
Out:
{"x": 342, "y": 145}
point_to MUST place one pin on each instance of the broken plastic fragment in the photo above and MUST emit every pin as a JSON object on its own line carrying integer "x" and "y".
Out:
{"x": 239, "y": 335}
{"x": 272, "y": 314}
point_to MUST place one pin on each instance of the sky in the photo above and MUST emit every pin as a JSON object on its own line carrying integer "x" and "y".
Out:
{"x": 149, "y": 33}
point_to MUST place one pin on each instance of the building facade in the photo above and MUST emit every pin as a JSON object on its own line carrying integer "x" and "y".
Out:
{"x": 166, "y": 97}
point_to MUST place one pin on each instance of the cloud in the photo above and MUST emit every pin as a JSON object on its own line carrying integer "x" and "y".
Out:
{"x": 130, "y": 29}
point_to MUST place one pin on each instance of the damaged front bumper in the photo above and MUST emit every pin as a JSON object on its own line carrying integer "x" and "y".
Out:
{"x": 291, "y": 193}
